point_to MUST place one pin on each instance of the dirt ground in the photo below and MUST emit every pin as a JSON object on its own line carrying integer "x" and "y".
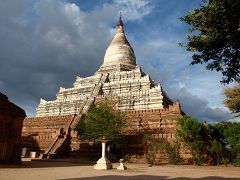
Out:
{"x": 34, "y": 170}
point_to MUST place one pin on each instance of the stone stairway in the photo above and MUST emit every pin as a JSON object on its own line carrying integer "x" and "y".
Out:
{"x": 60, "y": 140}
{"x": 54, "y": 149}
{"x": 77, "y": 150}
{"x": 57, "y": 144}
{"x": 95, "y": 92}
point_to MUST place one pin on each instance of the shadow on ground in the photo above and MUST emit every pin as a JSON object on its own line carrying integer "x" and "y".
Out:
{"x": 45, "y": 164}
{"x": 147, "y": 177}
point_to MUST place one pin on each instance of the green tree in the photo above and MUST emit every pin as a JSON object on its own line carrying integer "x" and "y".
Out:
{"x": 217, "y": 146}
{"x": 216, "y": 149}
{"x": 232, "y": 137}
{"x": 193, "y": 133}
{"x": 102, "y": 119}
{"x": 214, "y": 37}
{"x": 232, "y": 100}
{"x": 217, "y": 142}
{"x": 202, "y": 139}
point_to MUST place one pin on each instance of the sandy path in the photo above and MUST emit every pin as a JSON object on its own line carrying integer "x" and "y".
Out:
{"x": 75, "y": 171}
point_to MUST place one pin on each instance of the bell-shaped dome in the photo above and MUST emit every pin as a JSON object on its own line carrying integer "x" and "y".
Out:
{"x": 119, "y": 54}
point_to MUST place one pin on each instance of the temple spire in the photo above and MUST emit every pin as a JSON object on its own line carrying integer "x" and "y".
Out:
{"x": 120, "y": 23}
{"x": 119, "y": 54}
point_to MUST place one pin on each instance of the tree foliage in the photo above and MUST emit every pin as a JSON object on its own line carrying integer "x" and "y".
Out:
{"x": 218, "y": 142}
{"x": 171, "y": 150}
{"x": 102, "y": 119}
{"x": 214, "y": 37}
{"x": 232, "y": 137}
{"x": 233, "y": 99}
{"x": 193, "y": 134}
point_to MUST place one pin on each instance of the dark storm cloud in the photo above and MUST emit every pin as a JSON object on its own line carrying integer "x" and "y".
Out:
{"x": 197, "y": 107}
{"x": 192, "y": 105}
{"x": 45, "y": 44}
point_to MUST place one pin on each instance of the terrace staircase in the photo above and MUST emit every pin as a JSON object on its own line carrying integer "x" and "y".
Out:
{"x": 63, "y": 139}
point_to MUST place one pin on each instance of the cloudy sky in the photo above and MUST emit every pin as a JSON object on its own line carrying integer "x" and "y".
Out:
{"x": 45, "y": 44}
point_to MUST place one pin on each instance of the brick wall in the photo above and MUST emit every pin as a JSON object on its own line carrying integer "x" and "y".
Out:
{"x": 158, "y": 123}
{"x": 39, "y": 133}
{"x": 11, "y": 120}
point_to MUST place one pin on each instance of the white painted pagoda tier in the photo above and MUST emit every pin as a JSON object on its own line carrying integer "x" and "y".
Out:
{"x": 119, "y": 76}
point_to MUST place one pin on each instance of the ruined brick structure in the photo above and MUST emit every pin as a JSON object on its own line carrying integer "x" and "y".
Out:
{"x": 149, "y": 108}
{"x": 11, "y": 121}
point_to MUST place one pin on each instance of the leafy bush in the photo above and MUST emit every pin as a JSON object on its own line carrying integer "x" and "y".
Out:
{"x": 193, "y": 133}
{"x": 153, "y": 145}
{"x": 225, "y": 161}
{"x": 173, "y": 153}
{"x": 237, "y": 161}
{"x": 213, "y": 140}
{"x": 151, "y": 157}
{"x": 198, "y": 160}
{"x": 171, "y": 150}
